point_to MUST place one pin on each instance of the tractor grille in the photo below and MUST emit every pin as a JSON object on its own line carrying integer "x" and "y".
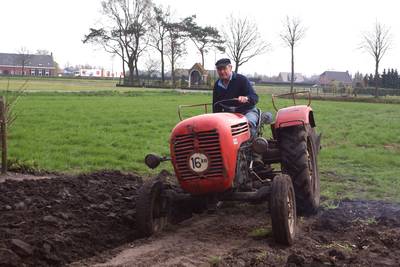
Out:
{"x": 239, "y": 128}
{"x": 208, "y": 143}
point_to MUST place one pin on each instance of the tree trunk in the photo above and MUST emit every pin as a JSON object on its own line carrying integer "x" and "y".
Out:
{"x": 123, "y": 61}
{"x": 131, "y": 67}
{"x": 136, "y": 69}
{"x": 162, "y": 63}
{"x": 123, "y": 66}
{"x": 173, "y": 73}
{"x": 292, "y": 74}
{"x": 3, "y": 131}
{"x": 376, "y": 77}
{"x": 236, "y": 66}
{"x": 202, "y": 58}
{"x": 173, "y": 64}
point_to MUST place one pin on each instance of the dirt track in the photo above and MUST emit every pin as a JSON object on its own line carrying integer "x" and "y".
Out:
{"x": 89, "y": 220}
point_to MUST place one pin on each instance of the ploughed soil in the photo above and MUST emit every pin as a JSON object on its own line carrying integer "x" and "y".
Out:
{"x": 89, "y": 220}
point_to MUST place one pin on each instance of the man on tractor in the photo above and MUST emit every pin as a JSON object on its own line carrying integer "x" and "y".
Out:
{"x": 231, "y": 85}
{"x": 216, "y": 158}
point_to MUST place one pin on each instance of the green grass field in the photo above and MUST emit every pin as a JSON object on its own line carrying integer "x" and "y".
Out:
{"x": 79, "y": 132}
{"x": 56, "y": 84}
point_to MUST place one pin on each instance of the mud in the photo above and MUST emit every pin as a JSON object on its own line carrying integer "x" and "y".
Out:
{"x": 51, "y": 222}
{"x": 356, "y": 233}
{"x": 88, "y": 220}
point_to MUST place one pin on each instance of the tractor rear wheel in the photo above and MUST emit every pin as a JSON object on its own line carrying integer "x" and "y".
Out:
{"x": 283, "y": 210}
{"x": 299, "y": 160}
{"x": 151, "y": 208}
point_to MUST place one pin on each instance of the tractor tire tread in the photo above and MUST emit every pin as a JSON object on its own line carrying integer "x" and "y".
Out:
{"x": 144, "y": 203}
{"x": 293, "y": 145}
{"x": 281, "y": 185}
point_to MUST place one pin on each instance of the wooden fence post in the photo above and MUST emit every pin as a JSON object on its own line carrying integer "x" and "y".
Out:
{"x": 3, "y": 133}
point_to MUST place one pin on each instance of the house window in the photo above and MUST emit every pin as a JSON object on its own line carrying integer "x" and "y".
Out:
{"x": 47, "y": 73}
{"x": 40, "y": 73}
{"x": 32, "y": 72}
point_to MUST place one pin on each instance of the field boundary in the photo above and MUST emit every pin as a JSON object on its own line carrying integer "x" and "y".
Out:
{"x": 353, "y": 99}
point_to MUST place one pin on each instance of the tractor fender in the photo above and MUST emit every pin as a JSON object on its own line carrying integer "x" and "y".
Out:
{"x": 295, "y": 115}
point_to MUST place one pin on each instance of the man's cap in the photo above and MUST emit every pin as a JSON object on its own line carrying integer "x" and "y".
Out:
{"x": 223, "y": 62}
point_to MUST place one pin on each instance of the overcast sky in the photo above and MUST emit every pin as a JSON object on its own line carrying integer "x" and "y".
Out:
{"x": 334, "y": 31}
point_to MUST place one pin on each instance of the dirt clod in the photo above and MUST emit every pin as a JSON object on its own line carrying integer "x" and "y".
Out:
{"x": 21, "y": 248}
{"x": 8, "y": 258}
{"x": 295, "y": 260}
{"x": 60, "y": 220}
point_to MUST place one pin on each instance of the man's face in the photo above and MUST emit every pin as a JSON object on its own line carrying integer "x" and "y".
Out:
{"x": 225, "y": 72}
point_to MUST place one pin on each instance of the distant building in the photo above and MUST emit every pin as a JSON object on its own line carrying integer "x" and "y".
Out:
{"x": 197, "y": 75}
{"x": 286, "y": 77}
{"x": 330, "y": 77}
{"x": 313, "y": 79}
{"x": 90, "y": 73}
{"x": 27, "y": 64}
{"x": 69, "y": 71}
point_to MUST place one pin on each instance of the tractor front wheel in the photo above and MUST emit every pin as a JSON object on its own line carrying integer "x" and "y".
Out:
{"x": 151, "y": 208}
{"x": 283, "y": 210}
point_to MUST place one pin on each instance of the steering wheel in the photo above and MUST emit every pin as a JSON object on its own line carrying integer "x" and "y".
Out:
{"x": 226, "y": 107}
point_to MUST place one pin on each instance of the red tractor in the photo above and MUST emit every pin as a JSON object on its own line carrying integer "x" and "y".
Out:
{"x": 213, "y": 156}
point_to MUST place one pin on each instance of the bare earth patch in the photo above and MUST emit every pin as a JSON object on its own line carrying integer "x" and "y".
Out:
{"x": 394, "y": 147}
{"x": 88, "y": 220}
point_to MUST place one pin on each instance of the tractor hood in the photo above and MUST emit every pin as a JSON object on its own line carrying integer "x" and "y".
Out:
{"x": 206, "y": 122}
{"x": 204, "y": 151}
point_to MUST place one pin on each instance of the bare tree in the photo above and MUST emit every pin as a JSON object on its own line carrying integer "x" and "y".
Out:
{"x": 24, "y": 57}
{"x": 159, "y": 32}
{"x": 7, "y": 118}
{"x": 243, "y": 41}
{"x": 152, "y": 66}
{"x": 111, "y": 43}
{"x": 176, "y": 47}
{"x": 376, "y": 43}
{"x": 292, "y": 33}
{"x": 124, "y": 31}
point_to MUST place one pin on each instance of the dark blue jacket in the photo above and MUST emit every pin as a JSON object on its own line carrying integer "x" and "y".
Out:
{"x": 238, "y": 86}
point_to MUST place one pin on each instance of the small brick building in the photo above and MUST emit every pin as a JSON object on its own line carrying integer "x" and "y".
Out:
{"x": 27, "y": 64}
{"x": 197, "y": 75}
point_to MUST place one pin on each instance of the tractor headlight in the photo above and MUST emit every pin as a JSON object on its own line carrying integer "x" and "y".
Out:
{"x": 152, "y": 160}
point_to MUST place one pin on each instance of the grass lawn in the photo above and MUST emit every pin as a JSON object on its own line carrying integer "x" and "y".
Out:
{"x": 56, "y": 84}
{"x": 103, "y": 129}
{"x": 79, "y": 132}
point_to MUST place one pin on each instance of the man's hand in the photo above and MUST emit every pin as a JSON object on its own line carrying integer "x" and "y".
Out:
{"x": 243, "y": 99}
